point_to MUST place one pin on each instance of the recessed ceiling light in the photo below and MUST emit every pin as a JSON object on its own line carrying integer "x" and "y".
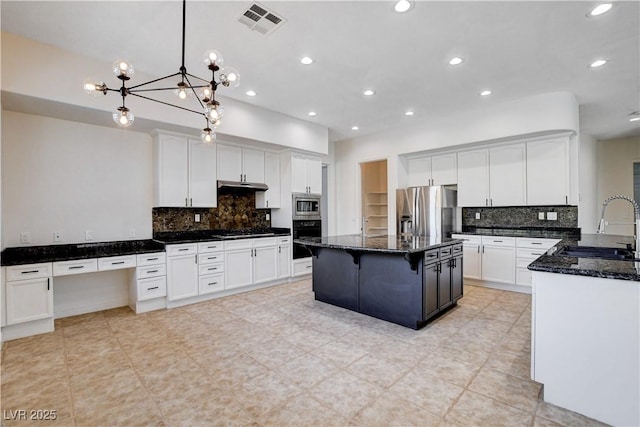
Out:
{"x": 409, "y": 113}
{"x": 634, "y": 119}
{"x": 312, "y": 113}
{"x": 250, "y": 93}
{"x": 598, "y": 63}
{"x": 600, "y": 9}
{"x": 355, "y": 128}
{"x": 306, "y": 60}
{"x": 455, "y": 61}
{"x": 485, "y": 92}
{"x": 403, "y": 6}
{"x": 368, "y": 92}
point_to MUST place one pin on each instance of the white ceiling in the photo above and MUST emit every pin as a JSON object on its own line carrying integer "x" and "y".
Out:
{"x": 515, "y": 48}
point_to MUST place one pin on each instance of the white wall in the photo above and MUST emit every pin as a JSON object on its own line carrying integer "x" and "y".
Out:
{"x": 588, "y": 212}
{"x": 70, "y": 177}
{"x": 545, "y": 113}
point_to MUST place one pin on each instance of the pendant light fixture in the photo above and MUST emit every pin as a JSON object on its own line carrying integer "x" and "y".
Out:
{"x": 203, "y": 90}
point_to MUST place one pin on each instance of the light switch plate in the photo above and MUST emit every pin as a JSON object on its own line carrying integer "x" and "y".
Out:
{"x": 196, "y": 218}
{"x": 25, "y": 237}
{"x": 541, "y": 215}
{"x": 552, "y": 216}
{"x": 88, "y": 235}
{"x": 132, "y": 232}
{"x": 477, "y": 215}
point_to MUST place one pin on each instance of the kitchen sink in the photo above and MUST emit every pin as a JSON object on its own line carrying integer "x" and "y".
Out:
{"x": 596, "y": 252}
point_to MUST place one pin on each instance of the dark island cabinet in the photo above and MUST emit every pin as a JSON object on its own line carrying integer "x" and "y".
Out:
{"x": 442, "y": 279}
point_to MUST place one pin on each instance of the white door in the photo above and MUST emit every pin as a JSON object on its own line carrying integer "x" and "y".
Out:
{"x": 547, "y": 172}
{"x": 507, "y": 175}
{"x": 473, "y": 178}
{"x": 229, "y": 164}
{"x": 314, "y": 175}
{"x": 265, "y": 264}
{"x": 172, "y": 171}
{"x": 202, "y": 175}
{"x": 29, "y": 300}
{"x": 238, "y": 267}
{"x": 253, "y": 165}
{"x": 472, "y": 264}
{"x": 271, "y": 197}
{"x": 499, "y": 264}
{"x": 298, "y": 174}
{"x": 444, "y": 169}
{"x": 284, "y": 261}
{"x": 419, "y": 172}
{"x": 182, "y": 277}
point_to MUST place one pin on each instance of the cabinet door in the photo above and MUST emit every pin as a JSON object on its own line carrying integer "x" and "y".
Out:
{"x": 202, "y": 175}
{"x": 253, "y": 165}
{"x": 29, "y": 300}
{"x": 507, "y": 175}
{"x": 472, "y": 264}
{"x": 499, "y": 264}
{"x": 265, "y": 264}
{"x": 284, "y": 261}
{"x": 229, "y": 164}
{"x": 548, "y": 172}
{"x": 456, "y": 278}
{"x": 238, "y": 267}
{"x": 473, "y": 178}
{"x": 314, "y": 175}
{"x": 444, "y": 169}
{"x": 419, "y": 171}
{"x": 271, "y": 197}
{"x": 444, "y": 284}
{"x": 431, "y": 277}
{"x": 171, "y": 170}
{"x": 182, "y": 277}
{"x": 298, "y": 174}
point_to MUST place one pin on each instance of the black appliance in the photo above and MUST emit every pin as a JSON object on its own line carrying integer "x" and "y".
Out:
{"x": 305, "y": 228}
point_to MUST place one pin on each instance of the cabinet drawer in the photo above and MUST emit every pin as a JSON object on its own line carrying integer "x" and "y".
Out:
{"x": 264, "y": 242}
{"x": 210, "y": 258}
{"x": 523, "y": 277}
{"x": 524, "y": 262}
{"x": 151, "y": 259}
{"x": 530, "y": 253}
{"x": 211, "y": 283}
{"x": 63, "y": 268}
{"x": 431, "y": 256}
{"x": 284, "y": 240}
{"x": 186, "y": 249}
{"x": 238, "y": 244}
{"x": 446, "y": 252}
{"x": 151, "y": 271}
{"x": 211, "y": 268}
{"x": 468, "y": 238}
{"x": 29, "y": 271}
{"x": 499, "y": 241}
{"x": 300, "y": 268}
{"x": 457, "y": 250}
{"x": 116, "y": 262}
{"x": 207, "y": 247}
{"x": 152, "y": 288}
{"x": 543, "y": 244}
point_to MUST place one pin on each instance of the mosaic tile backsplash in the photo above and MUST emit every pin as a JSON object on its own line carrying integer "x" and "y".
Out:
{"x": 236, "y": 210}
{"x": 520, "y": 216}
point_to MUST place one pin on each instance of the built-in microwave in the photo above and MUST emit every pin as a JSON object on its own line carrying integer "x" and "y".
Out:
{"x": 306, "y": 206}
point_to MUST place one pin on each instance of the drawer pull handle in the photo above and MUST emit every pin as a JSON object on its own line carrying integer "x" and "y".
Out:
{"x": 76, "y": 267}
{"x": 536, "y": 243}
{"x": 308, "y": 266}
{"x": 30, "y": 272}
{"x": 155, "y": 287}
{"x": 152, "y": 259}
{"x": 151, "y": 271}
{"x": 497, "y": 241}
{"x": 117, "y": 262}
{"x": 212, "y": 268}
{"x": 213, "y": 257}
{"x": 535, "y": 253}
{"x": 213, "y": 283}
{"x": 183, "y": 249}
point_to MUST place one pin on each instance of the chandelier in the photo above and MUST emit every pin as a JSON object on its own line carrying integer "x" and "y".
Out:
{"x": 203, "y": 90}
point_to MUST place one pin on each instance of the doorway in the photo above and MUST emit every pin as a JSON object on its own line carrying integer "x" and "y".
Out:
{"x": 373, "y": 181}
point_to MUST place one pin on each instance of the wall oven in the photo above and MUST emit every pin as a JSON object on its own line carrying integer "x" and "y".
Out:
{"x": 305, "y": 228}
{"x": 306, "y": 206}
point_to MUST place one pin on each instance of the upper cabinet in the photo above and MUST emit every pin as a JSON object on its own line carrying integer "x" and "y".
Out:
{"x": 432, "y": 170}
{"x": 240, "y": 164}
{"x": 548, "y": 172}
{"x": 271, "y": 197}
{"x": 473, "y": 178}
{"x": 306, "y": 174}
{"x": 184, "y": 172}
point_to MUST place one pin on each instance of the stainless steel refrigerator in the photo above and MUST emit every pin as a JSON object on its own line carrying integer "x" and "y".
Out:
{"x": 426, "y": 211}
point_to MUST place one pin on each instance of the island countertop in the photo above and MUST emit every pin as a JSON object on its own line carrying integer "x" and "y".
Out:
{"x": 390, "y": 244}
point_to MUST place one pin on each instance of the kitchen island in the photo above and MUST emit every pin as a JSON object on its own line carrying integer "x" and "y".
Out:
{"x": 404, "y": 280}
{"x": 585, "y": 344}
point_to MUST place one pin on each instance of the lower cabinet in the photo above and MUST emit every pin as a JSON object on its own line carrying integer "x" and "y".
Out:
{"x": 442, "y": 279}
{"x": 251, "y": 261}
{"x": 182, "y": 271}
{"x": 29, "y": 300}
{"x": 284, "y": 257}
{"x": 499, "y": 260}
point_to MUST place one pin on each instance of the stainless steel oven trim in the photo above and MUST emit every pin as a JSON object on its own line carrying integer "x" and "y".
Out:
{"x": 295, "y": 197}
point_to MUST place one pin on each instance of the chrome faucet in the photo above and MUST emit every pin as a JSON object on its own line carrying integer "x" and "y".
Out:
{"x": 636, "y": 210}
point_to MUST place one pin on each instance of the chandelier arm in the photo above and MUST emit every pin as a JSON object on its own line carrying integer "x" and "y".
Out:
{"x": 156, "y": 80}
{"x": 196, "y": 77}
{"x": 184, "y": 25}
{"x": 194, "y": 92}
{"x": 168, "y": 104}
{"x": 163, "y": 88}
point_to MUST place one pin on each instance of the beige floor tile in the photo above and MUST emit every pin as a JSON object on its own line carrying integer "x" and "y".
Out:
{"x": 134, "y": 409}
{"x": 265, "y": 393}
{"x": 307, "y": 340}
{"x": 302, "y": 410}
{"x": 565, "y": 417}
{"x": 89, "y": 393}
{"x": 345, "y": 393}
{"x": 474, "y": 410}
{"x": 234, "y": 372}
{"x": 392, "y": 411}
{"x": 470, "y": 351}
{"x": 307, "y": 370}
{"x": 399, "y": 352}
{"x": 516, "y": 364}
{"x": 377, "y": 370}
{"x": 543, "y": 422}
{"x": 443, "y": 366}
{"x": 275, "y": 352}
{"x": 517, "y": 392}
{"x": 339, "y": 353}
{"x": 427, "y": 391}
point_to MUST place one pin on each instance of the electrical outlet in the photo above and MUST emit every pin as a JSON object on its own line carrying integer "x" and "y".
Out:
{"x": 541, "y": 215}
{"x": 552, "y": 216}
{"x": 267, "y": 217}
{"x": 88, "y": 235}
{"x": 132, "y": 232}
{"x": 477, "y": 215}
{"x": 57, "y": 236}
{"x": 25, "y": 237}
{"x": 196, "y": 218}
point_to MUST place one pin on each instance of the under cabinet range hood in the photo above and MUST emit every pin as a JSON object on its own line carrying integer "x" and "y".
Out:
{"x": 255, "y": 186}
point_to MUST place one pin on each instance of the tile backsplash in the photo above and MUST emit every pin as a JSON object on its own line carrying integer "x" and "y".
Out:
{"x": 520, "y": 216}
{"x": 236, "y": 210}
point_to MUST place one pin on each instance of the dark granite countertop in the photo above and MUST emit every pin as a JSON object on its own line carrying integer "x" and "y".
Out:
{"x": 176, "y": 237}
{"x": 531, "y": 232}
{"x": 384, "y": 244}
{"x": 49, "y": 253}
{"x": 595, "y": 267}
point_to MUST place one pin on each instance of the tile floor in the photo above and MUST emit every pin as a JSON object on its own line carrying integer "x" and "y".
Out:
{"x": 276, "y": 357}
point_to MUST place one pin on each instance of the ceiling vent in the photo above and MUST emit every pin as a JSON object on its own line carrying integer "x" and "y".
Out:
{"x": 259, "y": 18}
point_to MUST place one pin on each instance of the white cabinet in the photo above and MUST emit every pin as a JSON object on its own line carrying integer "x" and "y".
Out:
{"x": 149, "y": 280}
{"x": 527, "y": 251}
{"x": 265, "y": 264}
{"x": 433, "y": 170}
{"x": 271, "y": 197}
{"x": 548, "y": 172}
{"x": 499, "y": 259}
{"x": 471, "y": 249}
{"x": 240, "y": 164}
{"x": 184, "y": 172}
{"x": 306, "y": 174}
{"x": 182, "y": 271}
{"x": 473, "y": 178}
{"x": 31, "y": 296}
{"x": 507, "y": 175}
{"x": 250, "y": 261}
{"x": 211, "y": 267}
{"x": 301, "y": 267}
{"x": 284, "y": 257}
